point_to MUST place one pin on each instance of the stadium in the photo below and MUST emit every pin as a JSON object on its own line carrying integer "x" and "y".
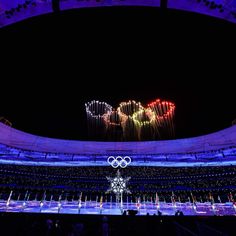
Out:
{"x": 53, "y": 184}
{"x": 59, "y": 177}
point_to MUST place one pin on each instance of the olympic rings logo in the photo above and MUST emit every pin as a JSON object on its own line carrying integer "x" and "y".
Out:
{"x": 156, "y": 111}
{"x": 119, "y": 161}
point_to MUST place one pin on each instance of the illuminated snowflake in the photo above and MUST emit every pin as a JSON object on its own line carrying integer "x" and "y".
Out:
{"x": 118, "y": 184}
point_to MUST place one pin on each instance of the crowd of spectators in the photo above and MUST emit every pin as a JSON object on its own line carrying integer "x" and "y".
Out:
{"x": 68, "y": 182}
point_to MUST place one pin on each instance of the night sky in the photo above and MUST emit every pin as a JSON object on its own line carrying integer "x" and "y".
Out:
{"x": 54, "y": 64}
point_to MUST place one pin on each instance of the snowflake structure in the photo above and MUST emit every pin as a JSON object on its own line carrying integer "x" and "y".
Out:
{"x": 118, "y": 184}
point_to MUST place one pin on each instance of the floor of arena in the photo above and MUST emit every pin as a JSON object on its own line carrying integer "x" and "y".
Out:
{"x": 111, "y": 208}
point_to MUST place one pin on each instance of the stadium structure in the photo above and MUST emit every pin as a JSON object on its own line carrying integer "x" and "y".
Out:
{"x": 194, "y": 176}
{"x": 12, "y": 11}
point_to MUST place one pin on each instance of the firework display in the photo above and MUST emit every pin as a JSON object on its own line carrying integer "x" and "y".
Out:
{"x": 96, "y": 111}
{"x": 131, "y": 120}
{"x": 126, "y": 111}
{"x": 164, "y": 112}
{"x": 113, "y": 126}
{"x": 144, "y": 120}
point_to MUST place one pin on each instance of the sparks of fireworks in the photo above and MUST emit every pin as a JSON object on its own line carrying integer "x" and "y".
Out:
{"x": 144, "y": 120}
{"x": 95, "y": 111}
{"x": 131, "y": 121}
{"x": 164, "y": 113}
{"x": 113, "y": 126}
{"x": 126, "y": 111}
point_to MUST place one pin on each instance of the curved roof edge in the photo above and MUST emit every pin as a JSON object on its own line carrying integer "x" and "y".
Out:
{"x": 134, "y": 164}
{"x": 12, "y": 11}
{"x": 18, "y": 139}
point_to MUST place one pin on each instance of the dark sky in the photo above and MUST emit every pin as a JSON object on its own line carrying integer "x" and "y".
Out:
{"x": 54, "y": 64}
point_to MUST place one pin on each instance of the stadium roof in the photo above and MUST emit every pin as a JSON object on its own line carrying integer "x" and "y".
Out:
{"x": 219, "y": 140}
{"x": 12, "y": 11}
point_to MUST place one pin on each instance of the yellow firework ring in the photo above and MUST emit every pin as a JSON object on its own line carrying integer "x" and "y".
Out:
{"x": 127, "y": 109}
{"x": 148, "y": 113}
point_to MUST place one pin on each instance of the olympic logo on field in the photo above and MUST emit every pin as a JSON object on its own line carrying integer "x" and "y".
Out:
{"x": 119, "y": 161}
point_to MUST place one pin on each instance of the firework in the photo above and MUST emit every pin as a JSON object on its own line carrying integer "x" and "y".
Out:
{"x": 144, "y": 120}
{"x": 131, "y": 121}
{"x": 113, "y": 126}
{"x": 164, "y": 113}
{"x": 95, "y": 111}
{"x": 126, "y": 111}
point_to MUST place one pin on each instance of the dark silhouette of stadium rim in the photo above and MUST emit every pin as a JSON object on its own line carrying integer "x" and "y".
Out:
{"x": 14, "y": 11}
